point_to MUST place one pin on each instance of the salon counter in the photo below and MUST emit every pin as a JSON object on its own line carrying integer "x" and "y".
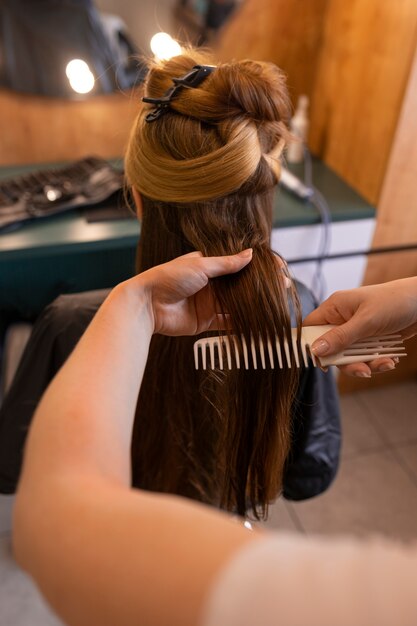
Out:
{"x": 66, "y": 253}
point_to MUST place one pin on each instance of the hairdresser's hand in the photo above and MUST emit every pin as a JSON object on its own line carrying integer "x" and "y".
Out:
{"x": 364, "y": 312}
{"x": 181, "y": 302}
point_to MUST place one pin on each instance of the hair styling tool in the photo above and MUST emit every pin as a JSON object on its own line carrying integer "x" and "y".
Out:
{"x": 228, "y": 352}
{"x": 89, "y": 182}
{"x": 291, "y": 183}
{"x": 191, "y": 79}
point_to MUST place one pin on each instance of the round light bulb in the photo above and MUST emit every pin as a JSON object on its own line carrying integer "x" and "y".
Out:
{"x": 80, "y": 76}
{"x": 164, "y": 46}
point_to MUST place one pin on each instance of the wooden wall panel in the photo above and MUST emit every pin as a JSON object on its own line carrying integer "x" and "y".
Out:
{"x": 286, "y": 32}
{"x": 396, "y": 225}
{"x": 363, "y": 81}
{"x": 365, "y": 59}
{"x": 35, "y": 129}
{"x": 352, "y": 57}
{"x": 397, "y": 209}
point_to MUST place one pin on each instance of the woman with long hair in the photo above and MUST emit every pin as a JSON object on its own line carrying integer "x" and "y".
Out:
{"x": 203, "y": 163}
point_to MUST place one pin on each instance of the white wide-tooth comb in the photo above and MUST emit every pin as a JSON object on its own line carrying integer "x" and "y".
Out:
{"x": 278, "y": 354}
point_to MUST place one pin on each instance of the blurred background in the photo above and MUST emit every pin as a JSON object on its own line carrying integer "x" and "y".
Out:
{"x": 71, "y": 75}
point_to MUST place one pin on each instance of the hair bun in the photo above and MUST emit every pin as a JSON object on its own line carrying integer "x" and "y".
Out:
{"x": 230, "y": 131}
{"x": 254, "y": 88}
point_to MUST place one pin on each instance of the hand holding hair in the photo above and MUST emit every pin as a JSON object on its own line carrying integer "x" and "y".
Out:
{"x": 364, "y": 312}
{"x": 181, "y": 301}
{"x": 81, "y": 462}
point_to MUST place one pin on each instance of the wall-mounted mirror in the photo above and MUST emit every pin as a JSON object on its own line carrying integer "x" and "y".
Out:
{"x": 74, "y": 48}
{"x": 64, "y": 48}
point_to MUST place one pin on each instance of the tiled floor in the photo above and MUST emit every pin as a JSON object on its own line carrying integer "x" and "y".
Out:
{"x": 20, "y": 602}
{"x": 375, "y": 492}
{"x": 376, "y": 488}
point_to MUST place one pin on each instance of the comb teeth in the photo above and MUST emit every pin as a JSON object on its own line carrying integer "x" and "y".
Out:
{"x": 229, "y": 351}
{"x": 224, "y": 353}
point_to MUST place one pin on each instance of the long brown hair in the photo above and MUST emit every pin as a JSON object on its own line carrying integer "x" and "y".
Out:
{"x": 207, "y": 171}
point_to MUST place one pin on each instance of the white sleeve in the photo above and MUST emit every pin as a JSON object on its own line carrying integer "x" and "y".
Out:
{"x": 291, "y": 580}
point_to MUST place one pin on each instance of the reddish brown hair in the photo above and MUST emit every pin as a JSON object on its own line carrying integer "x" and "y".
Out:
{"x": 207, "y": 171}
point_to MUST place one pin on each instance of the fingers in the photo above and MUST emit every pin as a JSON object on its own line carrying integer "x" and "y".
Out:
{"x": 317, "y": 317}
{"x": 283, "y": 269}
{"x": 379, "y": 366}
{"x": 365, "y": 370}
{"x": 337, "y": 339}
{"x": 220, "y": 265}
{"x": 326, "y": 313}
{"x": 220, "y": 322}
{"x": 358, "y": 370}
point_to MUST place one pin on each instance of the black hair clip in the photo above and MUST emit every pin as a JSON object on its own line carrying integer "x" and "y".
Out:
{"x": 192, "y": 79}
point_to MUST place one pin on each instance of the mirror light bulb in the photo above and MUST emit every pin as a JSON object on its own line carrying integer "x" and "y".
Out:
{"x": 80, "y": 76}
{"x": 164, "y": 46}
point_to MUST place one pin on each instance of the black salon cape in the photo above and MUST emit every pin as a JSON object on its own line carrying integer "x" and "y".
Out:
{"x": 314, "y": 456}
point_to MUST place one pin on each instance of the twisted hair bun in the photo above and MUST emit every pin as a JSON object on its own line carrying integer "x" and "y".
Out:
{"x": 226, "y": 134}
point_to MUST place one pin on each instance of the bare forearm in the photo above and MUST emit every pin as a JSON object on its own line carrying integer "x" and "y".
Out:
{"x": 113, "y": 540}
